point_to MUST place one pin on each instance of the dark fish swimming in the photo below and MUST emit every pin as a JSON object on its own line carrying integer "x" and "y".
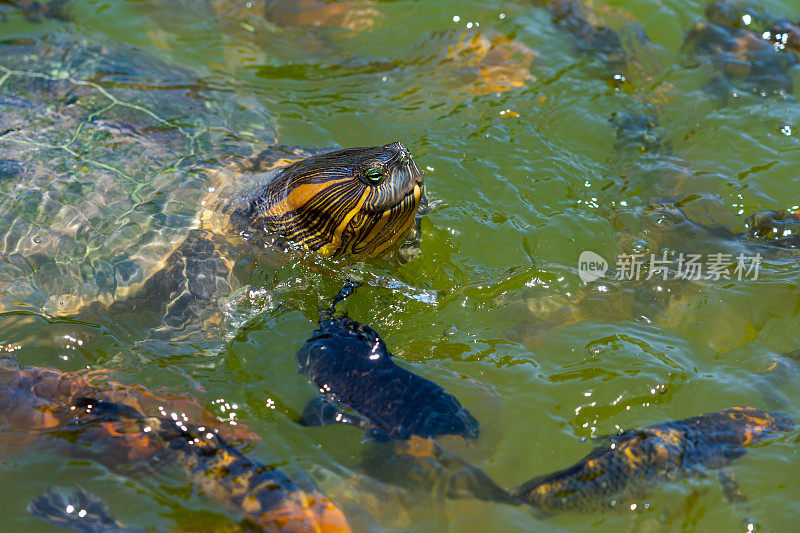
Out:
{"x": 106, "y": 424}
{"x": 353, "y": 369}
{"x": 625, "y": 465}
{"x": 360, "y": 385}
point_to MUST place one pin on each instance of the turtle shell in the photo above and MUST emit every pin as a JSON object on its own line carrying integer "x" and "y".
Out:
{"x": 103, "y": 158}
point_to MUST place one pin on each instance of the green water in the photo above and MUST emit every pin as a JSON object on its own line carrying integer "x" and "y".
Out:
{"x": 515, "y": 198}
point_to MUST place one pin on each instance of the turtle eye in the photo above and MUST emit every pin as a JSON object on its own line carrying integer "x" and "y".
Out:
{"x": 373, "y": 175}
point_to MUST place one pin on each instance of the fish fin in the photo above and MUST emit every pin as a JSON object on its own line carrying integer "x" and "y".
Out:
{"x": 374, "y": 434}
{"x": 465, "y": 480}
{"x": 603, "y": 442}
{"x": 730, "y": 487}
{"x": 9, "y": 363}
{"x": 520, "y": 491}
{"x": 321, "y": 412}
{"x": 75, "y": 509}
{"x": 107, "y": 410}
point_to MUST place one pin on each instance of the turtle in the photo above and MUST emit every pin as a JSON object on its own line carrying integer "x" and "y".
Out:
{"x": 590, "y": 35}
{"x": 129, "y": 183}
{"x": 109, "y": 424}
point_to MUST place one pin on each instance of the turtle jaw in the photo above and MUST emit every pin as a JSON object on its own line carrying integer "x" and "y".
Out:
{"x": 389, "y": 225}
{"x": 378, "y": 233}
{"x": 408, "y": 176}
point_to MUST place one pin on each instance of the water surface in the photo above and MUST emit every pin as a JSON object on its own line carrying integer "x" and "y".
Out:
{"x": 520, "y": 182}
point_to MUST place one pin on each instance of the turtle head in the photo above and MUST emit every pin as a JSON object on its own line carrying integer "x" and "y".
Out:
{"x": 357, "y": 201}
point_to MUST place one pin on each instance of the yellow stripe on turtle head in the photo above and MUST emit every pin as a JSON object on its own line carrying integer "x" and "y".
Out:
{"x": 335, "y": 245}
{"x": 354, "y": 201}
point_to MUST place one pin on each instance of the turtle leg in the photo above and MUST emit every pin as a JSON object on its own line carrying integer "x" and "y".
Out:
{"x": 411, "y": 246}
{"x": 196, "y": 275}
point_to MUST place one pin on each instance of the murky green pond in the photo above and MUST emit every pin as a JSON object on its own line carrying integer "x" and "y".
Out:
{"x": 524, "y": 171}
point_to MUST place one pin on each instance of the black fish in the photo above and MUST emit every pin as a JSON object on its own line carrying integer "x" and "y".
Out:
{"x": 352, "y": 367}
